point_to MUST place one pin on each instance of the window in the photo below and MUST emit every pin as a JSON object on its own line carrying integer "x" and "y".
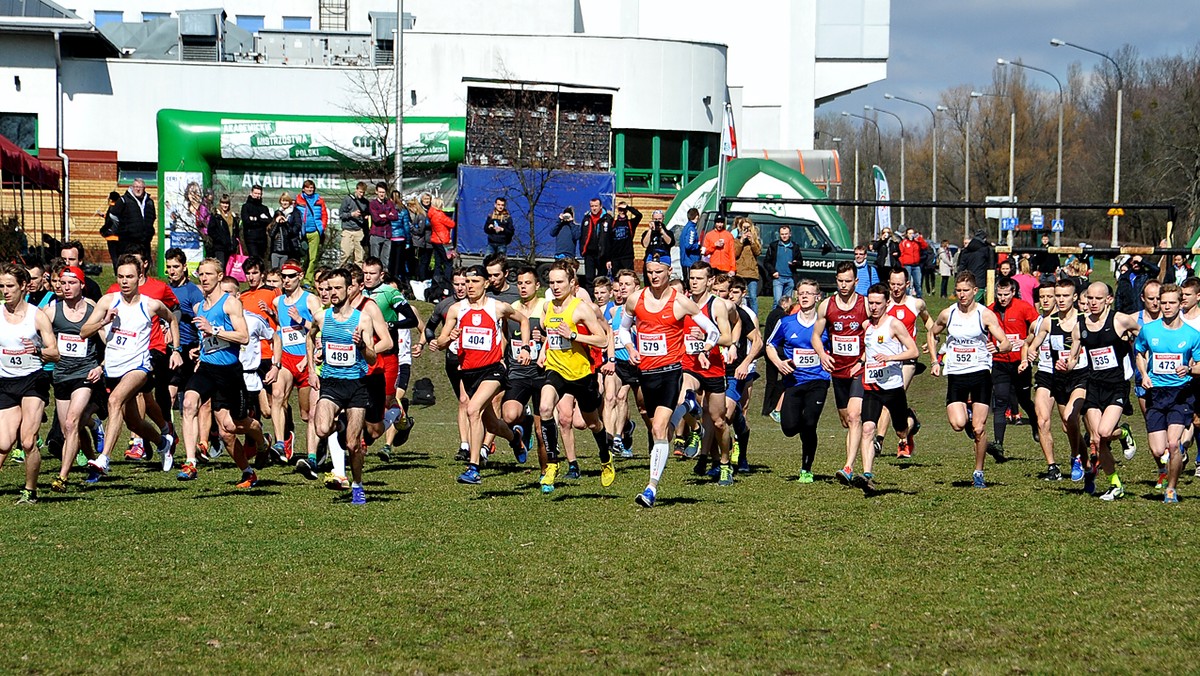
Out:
{"x": 154, "y": 16}
{"x": 251, "y": 23}
{"x": 661, "y": 162}
{"x": 297, "y": 23}
{"x": 105, "y": 16}
{"x": 21, "y": 129}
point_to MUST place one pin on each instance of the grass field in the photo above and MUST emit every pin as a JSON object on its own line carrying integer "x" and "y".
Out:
{"x": 142, "y": 573}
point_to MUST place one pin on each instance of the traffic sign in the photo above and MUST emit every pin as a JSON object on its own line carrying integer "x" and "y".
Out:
{"x": 1037, "y": 219}
{"x": 1056, "y": 225}
{"x": 1007, "y": 224}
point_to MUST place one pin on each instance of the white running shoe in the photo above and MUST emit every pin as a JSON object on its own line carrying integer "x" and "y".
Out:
{"x": 100, "y": 464}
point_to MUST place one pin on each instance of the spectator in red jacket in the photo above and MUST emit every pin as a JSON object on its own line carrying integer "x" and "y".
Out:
{"x": 441, "y": 228}
{"x": 910, "y": 257}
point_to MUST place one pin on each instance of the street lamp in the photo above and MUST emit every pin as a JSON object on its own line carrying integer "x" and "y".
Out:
{"x": 1117, "y": 141}
{"x": 885, "y": 112}
{"x": 1012, "y": 141}
{"x": 933, "y": 229}
{"x": 1061, "y": 106}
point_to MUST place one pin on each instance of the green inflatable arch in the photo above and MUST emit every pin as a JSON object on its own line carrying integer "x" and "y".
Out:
{"x": 192, "y": 145}
{"x": 757, "y": 177}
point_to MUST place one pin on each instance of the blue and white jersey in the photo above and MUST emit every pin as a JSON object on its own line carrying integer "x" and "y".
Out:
{"x": 793, "y": 340}
{"x": 292, "y": 334}
{"x": 214, "y": 349}
{"x": 343, "y": 358}
{"x": 614, "y": 313}
{"x": 1166, "y": 350}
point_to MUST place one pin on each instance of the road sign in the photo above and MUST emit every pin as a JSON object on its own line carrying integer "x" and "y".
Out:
{"x": 1007, "y": 224}
{"x": 1037, "y": 220}
{"x": 1056, "y": 225}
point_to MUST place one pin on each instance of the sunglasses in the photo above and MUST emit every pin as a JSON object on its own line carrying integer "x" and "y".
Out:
{"x": 291, "y": 276}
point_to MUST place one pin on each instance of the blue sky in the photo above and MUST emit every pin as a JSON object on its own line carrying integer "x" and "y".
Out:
{"x": 937, "y": 44}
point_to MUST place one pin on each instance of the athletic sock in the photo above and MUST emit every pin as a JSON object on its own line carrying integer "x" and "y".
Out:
{"x": 355, "y": 484}
{"x": 1115, "y": 480}
{"x": 603, "y": 442}
{"x": 550, "y": 438}
{"x": 659, "y": 452}
{"x": 338, "y": 454}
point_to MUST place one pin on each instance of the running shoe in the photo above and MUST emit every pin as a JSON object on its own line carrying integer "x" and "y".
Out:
{"x": 1113, "y": 494}
{"x": 289, "y": 447}
{"x": 1053, "y": 473}
{"x": 679, "y": 444}
{"x": 98, "y": 430}
{"x": 519, "y": 449}
{"x": 743, "y": 465}
{"x": 484, "y": 452}
{"x": 278, "y": 452}
{"x": 694, "y": 443}
{"x": 902, "y": 449}
{"x": 735, "y": 454}
{"x": 136, "y": 451}
{"x": 18, "y": 455}
{"x": 463, "y": 455}
{"x": 250, "y": 448}
{"x": 878, "y": 445}
{"x": 59, "y": 485}
{"x": 470, "y": 476}
{"x": 1076, "y": 469}
{"x": 307, "y": 467}
{"x": 336, "y": 482}
{"x": 358, "y": 496}
{"x": 701, "y": 466}
{"x": 81, "y": 459}
{"x": 977, "y": 479}
{"x": 806, "y": 477}
{"x": 384, "y": 453}
{"x": 527, "y": 428}
{"x": 714, "y": 472}
{"x": 1089, "y": 483}
{"x": 1170, "y": 497}
{"x": 548, "y": 477}
{"x": 627, "y": 436}
{"x": 996, "y": 450}
{"x": 1128, "y": 443}
{"x": 608, "y": 474}
{"x": 202, "y": 451}
{"x": 1162, "y": 480}
{"x": 618, "y": 447}
{"x": 865, "y": 482}
{"x": 572, "y": 471}
{"x": 27, "y": 497}
{"x": 1197, "y": 470}
{"x": 216, "y": 451}
{"x": 249, "y": 479}
{"x": 404, "y": 428}
{"x": 845, "y": 475}
{"x": 391, "y": 416}
{"x": 93, "y": 476}
{"x": 725, "y": 477}
{"x": 646, "y": 498}
{"x": 168, "y": 461}
{"x": 167, "y": 444}
{"x": 188, "y": 472}
{"x": 776, "y": 417}
{"x": 100, "y": 464}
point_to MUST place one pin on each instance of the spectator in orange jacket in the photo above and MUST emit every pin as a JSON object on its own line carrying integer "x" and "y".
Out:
{"x": 910, "y": 257}
{"x": 441, "y": 228}
{"x": 720, "y": 247}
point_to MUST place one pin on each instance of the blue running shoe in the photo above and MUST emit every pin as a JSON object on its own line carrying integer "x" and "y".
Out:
{"x": 714, "y": 472}
{"x": 519, "y": 448}
{"x": 977, "y": 479}
{"x": 845, "y": 476}
{"x": 471, "y": 476}
{"x": 645, "y": 498}
{"x": 93, "y": 476}
{"x": 573, "y": 472}
{"x": 1076, "y": 469}
{"x": 1089, "y": 483}
{"x": 357, "y": 495}
{"x": 98, "y": 428}
{"x": 1170, "y": 497}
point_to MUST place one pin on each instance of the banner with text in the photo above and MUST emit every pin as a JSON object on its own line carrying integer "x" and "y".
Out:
{"x": 883, "y": 214}
{"x": 312, "y": 141}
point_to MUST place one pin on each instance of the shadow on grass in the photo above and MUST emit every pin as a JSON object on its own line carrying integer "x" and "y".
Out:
{"x": 395, "y": 466}
{"x": 970, "y": 484}
{"x": 484, "y": 495}
{"x": 907, "y": 465}
{"x": 591, "y": 496}
{"x": 234, "y": 492}
{"x": 879, "y": 492}
{"x": 666, "y": 502}
{"x": 1153, "y": 497}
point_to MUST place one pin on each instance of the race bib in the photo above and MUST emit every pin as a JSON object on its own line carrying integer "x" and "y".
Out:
{"x": 963, "y": 355}
{"x": 652, "y": 344}
{"x": 533, "y": 348}
{"x": 212, "y": 344}
{"x": 876, "y": 373}
{"x": 1057, "y": 343}
{"x": 693, "y": 345}
{"x": 557, "y": 342}
{"x": 1165, "y": 363}
{"x": 475, "y": 338}
{"x": 291, "y": 337}
{"x": 845, "y": 346}
{"x": 1103, "y": 358}
{"x": 1044, "y": 351}
{"x": 70, "y": 345}
{"x": 17, "y": 358}
{"x": 119, "y": 338}
{"x": 804, "y": 359}
{"x": 340, "y": 354}
{"x": 1016, "y": 341}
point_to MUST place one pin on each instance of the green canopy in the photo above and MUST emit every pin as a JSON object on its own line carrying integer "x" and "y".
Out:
{"x": 760, "y": 178}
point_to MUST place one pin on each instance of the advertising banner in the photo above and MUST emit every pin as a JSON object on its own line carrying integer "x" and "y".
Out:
{"x": 316, "y": 141}
{"x": 185, "y": 217}
{"x": 883, "y": 215}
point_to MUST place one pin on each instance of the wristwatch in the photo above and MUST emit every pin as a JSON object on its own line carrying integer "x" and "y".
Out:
{"x": 610, "y": 360}
{"x": 574, "y": 335}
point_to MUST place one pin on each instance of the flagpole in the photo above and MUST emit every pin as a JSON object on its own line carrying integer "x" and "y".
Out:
{"x": 726, "y": 144}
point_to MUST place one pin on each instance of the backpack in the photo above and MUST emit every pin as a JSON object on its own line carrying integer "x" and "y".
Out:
{"x": 422, "y": 393}
{"x": 928, "y": 258}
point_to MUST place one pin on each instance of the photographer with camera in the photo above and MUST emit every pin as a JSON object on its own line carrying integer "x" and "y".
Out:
{"x": 657, "y": 239}
{"x": 782, "y": 264}
{"x": 566, "y": 234}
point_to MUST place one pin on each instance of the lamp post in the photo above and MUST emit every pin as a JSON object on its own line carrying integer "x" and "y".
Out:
{"x": 1062, "y": 102}
{"x": 933, "y": 229}
{"x": 1117, "y": 140}
{"x": 885, "y": 112}
{"x": 1012, "y": 147}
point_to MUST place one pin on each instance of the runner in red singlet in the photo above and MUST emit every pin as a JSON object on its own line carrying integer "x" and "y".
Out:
{"x": 907, "y": 310}
{"x": 841, "y": 320}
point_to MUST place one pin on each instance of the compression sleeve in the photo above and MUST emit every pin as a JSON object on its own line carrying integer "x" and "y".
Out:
{"x": 712, "y": 333}
{"x": 623, "y": 333}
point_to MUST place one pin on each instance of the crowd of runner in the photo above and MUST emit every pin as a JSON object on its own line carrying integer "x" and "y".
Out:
{"x": 213, "y": 363}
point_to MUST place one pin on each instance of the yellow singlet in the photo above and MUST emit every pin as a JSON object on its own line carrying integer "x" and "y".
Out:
{"x": 563, "y": 355}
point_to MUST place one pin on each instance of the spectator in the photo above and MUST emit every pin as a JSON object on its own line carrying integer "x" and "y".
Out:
{"x": 223, "y": 230}
{"x": 398, "y": 235}
{"x": 719, "y": 246}
{"x": 911, "y": 249}
{"x": 72, "y": 255}
{"x": 689, "y": 240}
{"x": 887, "y": 253}
{"x": 1130, "y": 283}
{"x": 353, "y": 216}
{"x": 947, "y": 261}
{"x": 566, "y": 234}
{"x": 255, "y": 217}
{"x": 1179, "y": 270}
{"x": 420, "y": 252}
{"x": 1005, "y": 270}
{"x": 1085, "y": 258}
{"x": 285, "y": 234}
{"x": 383, "y": 211}
{"x": 619, "y": 248}
{"x": 868, "y": 275}
{"x": 498, "y": 228}
{"x": 137, "y": 217}
{"x": 593, "y": 236}
{"x": 315, "y": 218}
{"x": 747, "y": 248}
{"x": 1027, "y": 284}
{"x": 112, "y": 226}
{"x": 657, "y": 239}
{"x": 441, "y": 236}
{"x": 781, "y": 262}
{"x": 928, "y": 267}
{"x": 1046, "y": 263}
{"x": 978, "y": 256}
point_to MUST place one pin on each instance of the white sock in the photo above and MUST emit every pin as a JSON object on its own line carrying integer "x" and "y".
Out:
{"x": 338, "y": 454}
{"x": 659, "y": 453}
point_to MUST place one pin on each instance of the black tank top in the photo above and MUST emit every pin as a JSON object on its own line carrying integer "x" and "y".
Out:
{"x": 77, "y": 356}
{"x": 1108, "y": 355}
{"x": 1061, "y": 344}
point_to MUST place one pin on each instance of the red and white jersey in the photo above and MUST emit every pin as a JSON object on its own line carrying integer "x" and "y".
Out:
{"x": 904, "y": 314}
{"x": 479, "y": 338}
{"x": 659, "y": 334}
{"x": 845, "y": 329}
{"x": 692, "y": 347}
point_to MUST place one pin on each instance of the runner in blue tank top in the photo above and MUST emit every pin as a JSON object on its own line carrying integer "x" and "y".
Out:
{"x": 295, "y": 309}
{"x": 347, "y": 342}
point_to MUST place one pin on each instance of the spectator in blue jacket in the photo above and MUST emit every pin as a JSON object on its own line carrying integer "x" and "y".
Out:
{"x": 566, "y": 234}
{"x": 689, "y": 240}
{"x": 315, "y": 217}
{"x": 868, "y": 275}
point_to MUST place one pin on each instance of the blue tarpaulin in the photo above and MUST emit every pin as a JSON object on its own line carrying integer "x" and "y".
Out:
{"x": 478, "y": 188}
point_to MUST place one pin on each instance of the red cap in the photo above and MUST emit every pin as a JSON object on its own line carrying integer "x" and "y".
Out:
{"x": 74, "y": 271}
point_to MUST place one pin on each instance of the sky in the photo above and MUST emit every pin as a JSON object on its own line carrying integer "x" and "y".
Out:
{"x": 938, "y": 44}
